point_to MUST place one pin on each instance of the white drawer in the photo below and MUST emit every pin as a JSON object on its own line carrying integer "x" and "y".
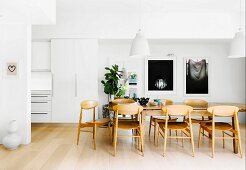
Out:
{"x": 41, "y": 106}
{"x": 41, "y": 117}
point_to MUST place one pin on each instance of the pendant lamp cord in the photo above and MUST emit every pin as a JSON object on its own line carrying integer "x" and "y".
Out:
{"x": 140, "y": 15}
{"x": 240, "y": 16}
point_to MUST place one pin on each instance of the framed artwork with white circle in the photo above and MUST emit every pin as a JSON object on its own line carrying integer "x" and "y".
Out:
{"x": 160, "y": 76}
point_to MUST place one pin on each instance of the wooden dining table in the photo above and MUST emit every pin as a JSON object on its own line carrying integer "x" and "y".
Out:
{"x": 149, "y": 110}
{"x": 156, "y": 111}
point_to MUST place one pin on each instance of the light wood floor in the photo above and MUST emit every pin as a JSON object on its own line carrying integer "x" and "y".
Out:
{"x": 54, "y": 147}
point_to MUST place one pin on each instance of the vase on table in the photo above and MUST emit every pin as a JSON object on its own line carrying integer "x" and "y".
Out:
{"x": 12, "y": 140}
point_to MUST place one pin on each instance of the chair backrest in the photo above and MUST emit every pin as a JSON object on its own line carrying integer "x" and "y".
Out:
{"x": 166, "y": 102}
{"x": 123, "y": 101}
{"x": 177, "y": 110}
{"x": 198, "y": 103}
{"x": 88, "y": 104}
{"x": 127, "y": 109}
{"x": 223, "y": 111}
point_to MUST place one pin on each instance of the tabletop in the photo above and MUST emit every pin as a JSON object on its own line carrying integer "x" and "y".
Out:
{"x": 241, "y": 106}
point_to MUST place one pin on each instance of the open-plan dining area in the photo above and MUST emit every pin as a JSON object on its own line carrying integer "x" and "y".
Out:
{"x": 122, "y": 84}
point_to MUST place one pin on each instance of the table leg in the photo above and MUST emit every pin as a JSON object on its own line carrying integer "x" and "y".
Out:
{"x": 143, "y": 124}
{"x": 235, "y": 143}
{"x": 210, "y": 135}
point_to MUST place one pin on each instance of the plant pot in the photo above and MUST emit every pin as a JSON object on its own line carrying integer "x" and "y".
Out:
{"x": 110, "y": 97}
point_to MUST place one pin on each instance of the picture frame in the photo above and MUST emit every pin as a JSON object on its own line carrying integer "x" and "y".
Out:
{"x": 11, "y": 69}
{"x": 160, "y": 76}
{"x": 132, "y": 78}
{"x": 197, "y": 83}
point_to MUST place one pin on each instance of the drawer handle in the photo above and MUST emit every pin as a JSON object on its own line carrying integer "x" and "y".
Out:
{"x": 39, "y": 102}
{"x": 39, "y": 113}
{"x": 39, "y": 96}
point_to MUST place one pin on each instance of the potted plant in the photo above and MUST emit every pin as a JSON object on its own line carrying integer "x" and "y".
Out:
{"x": 122, "y": 91}
{"x": 111, "y": 82}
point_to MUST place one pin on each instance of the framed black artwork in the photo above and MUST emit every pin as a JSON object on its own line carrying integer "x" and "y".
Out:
{"x": 196, "y": 76}
{"x": 160, "y": 76}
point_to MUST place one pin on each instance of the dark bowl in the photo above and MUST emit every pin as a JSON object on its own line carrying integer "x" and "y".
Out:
{"x": 143, "y": 101}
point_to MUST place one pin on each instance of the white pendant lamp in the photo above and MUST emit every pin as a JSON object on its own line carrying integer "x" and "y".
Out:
{"x": 140, "y": 45}
{"x": 237, "y": 47}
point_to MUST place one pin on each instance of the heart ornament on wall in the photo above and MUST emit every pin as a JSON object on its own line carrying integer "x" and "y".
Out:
{"x": 12, "y": 68}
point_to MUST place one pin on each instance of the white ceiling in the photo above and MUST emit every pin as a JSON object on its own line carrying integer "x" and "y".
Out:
{"x": 27, "y": 11}
{"x": 170, "y": 19}
{"x": 151, "y": 5}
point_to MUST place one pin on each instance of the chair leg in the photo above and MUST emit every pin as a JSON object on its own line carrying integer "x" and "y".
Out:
{"x": 192, "y": 140}
{"x": 213, "y": 142}
{"x": 93, "y": 132}
{"x": 182, "y": 134}
{"x": 94, "y": 135}
{"x": 165, "y": 143}
{"x": 150, "y": 124}
{"x": 176, "y": 136}
{"x": 142, "y": 141}
{"x": 158, "y": 136}
{"x": 115, "y": 140}
{"x": 138, "y": 139}
{"x": 203, "y": 134}
{"x": 78, "y": 135}
{"x": 113, "y": 134}
{"x": 170, "y": 133}
{"x": 239, "y": 137}
{"x": 155, "y": 125}
{"x": 199, "y": 136}
{"x": 223, "y": 140}
{"x": 109, "y": 129}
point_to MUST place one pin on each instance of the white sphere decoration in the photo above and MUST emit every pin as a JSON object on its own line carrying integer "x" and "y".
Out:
{"x": 12, "y": 140}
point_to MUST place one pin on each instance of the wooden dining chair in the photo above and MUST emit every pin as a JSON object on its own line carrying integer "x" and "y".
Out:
{"x": 201, "y": 111}
{"x": 155, "y": 120}
{"x": 91, "y": 105}
{"x": 123, "y": 101}
{"x": 225, "y": 127}
{"x": 136, "y": 124}
{"x": 184, "y": 127}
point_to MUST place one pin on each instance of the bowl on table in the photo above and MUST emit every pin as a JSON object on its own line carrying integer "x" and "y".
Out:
{"x": 143, "y": 101}
{"x": 152, "y": 103}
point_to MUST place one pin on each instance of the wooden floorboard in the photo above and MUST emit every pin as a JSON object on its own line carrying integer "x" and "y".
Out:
{"x": 54, "y": 147}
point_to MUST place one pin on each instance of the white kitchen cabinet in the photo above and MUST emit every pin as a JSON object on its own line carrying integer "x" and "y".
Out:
{"x": 40, "y": 56}
{"x": 74, "y": 77}
{"x": 86, "y": 53}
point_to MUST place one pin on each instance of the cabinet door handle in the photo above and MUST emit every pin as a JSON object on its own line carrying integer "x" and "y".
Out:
{"x": 75, "y": 88}
{"x": 52, "y": 85}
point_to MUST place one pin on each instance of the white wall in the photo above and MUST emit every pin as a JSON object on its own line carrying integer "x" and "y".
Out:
{"x": 41, "y": 56}
{"x": 227, "y": 76}
{"x": 15, "y": 97}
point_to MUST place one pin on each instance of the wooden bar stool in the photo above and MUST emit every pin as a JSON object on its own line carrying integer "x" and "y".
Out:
{"x": 91, "y": 105}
